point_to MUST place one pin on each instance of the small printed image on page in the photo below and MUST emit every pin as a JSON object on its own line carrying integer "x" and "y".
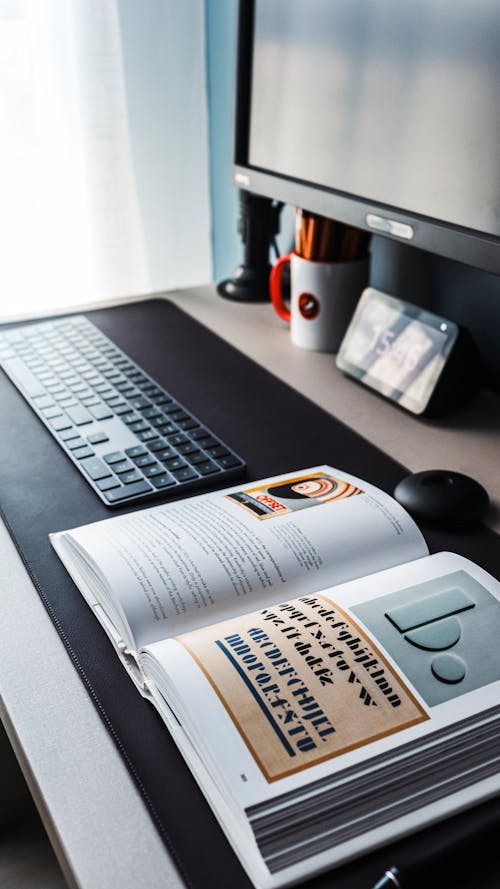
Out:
{"x": 303, "y": 491}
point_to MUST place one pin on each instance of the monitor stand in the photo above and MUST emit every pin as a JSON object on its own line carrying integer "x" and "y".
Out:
{"x": 258, "y": 226}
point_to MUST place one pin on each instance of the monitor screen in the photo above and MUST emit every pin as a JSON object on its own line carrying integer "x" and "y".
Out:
{"x": 382, "y": 113}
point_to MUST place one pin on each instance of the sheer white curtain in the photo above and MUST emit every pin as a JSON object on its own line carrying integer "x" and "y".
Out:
{"x": 103, "y": 183}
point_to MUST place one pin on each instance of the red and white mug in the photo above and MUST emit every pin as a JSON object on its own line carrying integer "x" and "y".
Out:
{"x": 323, "y": 296}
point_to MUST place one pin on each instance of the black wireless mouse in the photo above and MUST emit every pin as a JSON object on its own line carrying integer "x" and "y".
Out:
{"x": 441, "y": 497}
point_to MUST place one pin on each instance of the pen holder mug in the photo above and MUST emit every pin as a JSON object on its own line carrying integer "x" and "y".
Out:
{"x": 323, "y": 296}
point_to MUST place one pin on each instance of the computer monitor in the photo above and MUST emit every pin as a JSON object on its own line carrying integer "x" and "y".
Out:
{"x": 379, "y": 113}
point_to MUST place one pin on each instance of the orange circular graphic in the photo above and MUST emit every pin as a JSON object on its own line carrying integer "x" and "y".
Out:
{"x": 308, "y": 306}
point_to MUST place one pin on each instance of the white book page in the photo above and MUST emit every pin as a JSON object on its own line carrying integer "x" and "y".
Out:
{"x": 186, "y": 564}
{"x": 232, "y": 735}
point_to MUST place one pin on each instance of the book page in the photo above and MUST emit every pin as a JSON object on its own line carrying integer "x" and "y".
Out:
{"x": 189, "y": 563}
{"x": 300, "y": 706}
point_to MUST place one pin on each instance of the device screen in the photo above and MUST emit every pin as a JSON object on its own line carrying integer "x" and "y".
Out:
{"x": 397, "y": 349}
{"x": 394, "y": 102}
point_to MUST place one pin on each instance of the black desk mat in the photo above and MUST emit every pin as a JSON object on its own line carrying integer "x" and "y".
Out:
{"x": 277, "y": 430}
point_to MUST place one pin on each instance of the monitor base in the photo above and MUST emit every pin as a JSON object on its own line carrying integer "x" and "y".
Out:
{"x": 246, "y": 285}
{"x": 258, "y": 226}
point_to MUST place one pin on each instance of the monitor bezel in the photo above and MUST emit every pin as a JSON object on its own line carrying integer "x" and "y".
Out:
{"x": 445, "y": 239}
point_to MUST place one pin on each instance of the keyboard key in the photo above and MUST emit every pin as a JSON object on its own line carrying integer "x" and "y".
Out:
{"x": 218, "y": 451}
{"x": 228, "y": 462}
{"x": 89, "y": 400}
{"x": 101, "y": 412}
{"x": 76, "y": 443}
{"x": 165, "y": 454}
{"x": 128, "y": 390}
{"x": 57, "y": 388}
{"x": 148, "y": 435}
{"x": 166, "y": 428}
{"x": 158, "y": 420}
{"x": 151, "y": 413}
{"x": 187, "y": 424}
{"x": 93, "y": 378}
{"x": 188, "y": 448}
{"x": 133, "y": 475}
{"x": 155, "y": 469}
{"x": 175, "y": 463}
{"x": 207, "y": 442}
{"x": 85, "y": 393}
{"x": 106, "y": 484}
{"x": 157, "y": 445}
{"x": 44, "y": 401}
{"x": 201, "y": 433}
{"x": 80, "y": 453}
{"x": 23, "y": 378}
{"x": 178, "y": 439}
{"x": 51, "y": 412}
{"x": 197, "y": 457}
{"x": 96, "y": 468}
{"x": 140, "y": 403}
{"x": 163, "y": 481}
{"x": 114, "y": 457}
{"x": 67, "y": 434}
{"x": 79, "y": 415}
{"x": 122, "y": 466}
{"x": 60, "y": 423}
{"x": 137, "y": 451}
{"x": 97, "y": 438}
{"x": 117, "y": 494}
{"x": 185, "y": 475}
{"x": 139, "y": 426}
{"x": 145, "y": 460}
{"x": 207, "y": 467}
{"x": 114, "y": 376}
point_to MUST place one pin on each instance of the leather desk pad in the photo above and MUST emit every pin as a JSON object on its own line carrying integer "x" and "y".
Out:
{"x": 276, "y": 430}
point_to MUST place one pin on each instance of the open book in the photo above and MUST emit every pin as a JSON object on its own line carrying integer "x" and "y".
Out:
{"x": 330, "y": 685}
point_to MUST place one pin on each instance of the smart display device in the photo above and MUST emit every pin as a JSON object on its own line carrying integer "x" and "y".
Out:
{"x": 417, "y": 359}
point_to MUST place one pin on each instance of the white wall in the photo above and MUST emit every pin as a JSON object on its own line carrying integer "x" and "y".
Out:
{"x": 164, "y": 57}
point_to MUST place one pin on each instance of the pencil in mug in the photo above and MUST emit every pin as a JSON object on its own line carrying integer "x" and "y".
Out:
{"x": 320, "y": 239}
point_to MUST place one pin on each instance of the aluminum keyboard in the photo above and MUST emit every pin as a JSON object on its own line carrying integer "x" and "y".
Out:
{"x": 129, "y": 437}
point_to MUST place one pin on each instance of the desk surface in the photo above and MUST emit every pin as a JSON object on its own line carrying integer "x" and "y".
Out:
{"x": 97, "y": 822}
